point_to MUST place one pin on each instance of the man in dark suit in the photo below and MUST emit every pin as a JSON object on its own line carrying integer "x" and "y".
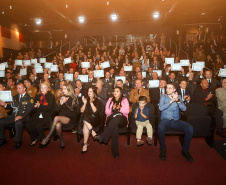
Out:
{"x": 155, "y": 64}
{"x": 22, "y": 105}
{"x": 184, "y": 91}
{"x": 57, "y": 82}
{"x": 91, "y": 80}
{"x": 102, "y": 93}
{"x": 155, "y": 94}
{"x": 213, "y": 83}
{"x": 172, "y": 79}
{"x": 203, "y": 94}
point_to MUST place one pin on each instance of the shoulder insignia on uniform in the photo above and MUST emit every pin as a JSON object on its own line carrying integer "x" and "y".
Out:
{"x": 32, "y": 101}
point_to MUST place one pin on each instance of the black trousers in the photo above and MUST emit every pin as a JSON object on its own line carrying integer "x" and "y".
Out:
{"x": 8, "y": 121}
{"x": 219, "y": 119}
{"x": 112, "y": 130}
{"x": 36, "y": 126}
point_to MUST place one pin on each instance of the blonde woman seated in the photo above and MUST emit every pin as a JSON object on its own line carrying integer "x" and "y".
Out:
{"x": 44, "y": 104}
{"x": 68, "y": 105}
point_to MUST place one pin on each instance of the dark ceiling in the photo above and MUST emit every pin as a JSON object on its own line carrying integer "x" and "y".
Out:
{"x": 55, "y": 15}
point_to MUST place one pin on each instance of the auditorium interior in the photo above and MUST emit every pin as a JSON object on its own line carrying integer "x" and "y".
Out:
{"x": 95, "y": 62}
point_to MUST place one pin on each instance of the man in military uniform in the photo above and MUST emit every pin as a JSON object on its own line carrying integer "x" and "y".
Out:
{"x": 11, "y": 86}
{"x": 108, "y": 82}
{"x": 31, "y": 90}
{"x": 3, "y": 112}
{"x": 91, "y": 80}
{"x": 22, "y": 105}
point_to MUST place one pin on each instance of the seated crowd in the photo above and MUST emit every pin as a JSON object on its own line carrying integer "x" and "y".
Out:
{"x": 47, "y": 100}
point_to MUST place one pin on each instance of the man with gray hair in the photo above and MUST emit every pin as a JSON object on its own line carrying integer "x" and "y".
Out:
{"x": 102, "y": 92}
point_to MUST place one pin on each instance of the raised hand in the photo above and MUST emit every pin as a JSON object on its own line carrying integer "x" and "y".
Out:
{"x": 84, "y": 100}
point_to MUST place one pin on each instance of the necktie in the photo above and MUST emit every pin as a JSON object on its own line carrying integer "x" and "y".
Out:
{"x": 20, "y": 98}
{"x": 139, "y": 91}
{"x": 161, "y": 92}
{"x": 183, "y": 93}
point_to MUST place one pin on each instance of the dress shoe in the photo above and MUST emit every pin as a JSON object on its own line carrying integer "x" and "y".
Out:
{"x": 116, "y": 156}
{"x": 34, "y": 142}
{"x": 83, "y": 152}
{"x": 18, "y": 145}
{"x": 62, "y": 146}
{"x": 44, "y": 145}
{"x": 162, "y": 154}
{"x": 187, "y": 156}
{"x": 2, "y": 142}
{"x": 221, "y": 134}
{"x": 98, "y": 138}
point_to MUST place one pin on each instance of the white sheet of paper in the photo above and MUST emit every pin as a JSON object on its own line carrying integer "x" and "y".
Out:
{"x": 37, "y": 65}
{"x": 176, "y": 67}
{"x": 85, "y": 64}
{"x": 169, "y": 60}
{"x": 83, "y": 78}
{"x": 67, "y": 60}
{"x": 159, "y": 72}
{"x": 105, "y": 64}
{"x": 153, "y": 83}
{"x": 98, "y": 73}
{"x": 2, "y": 73}
{"x": 128, "y": 68}
{"x": 68, "y": 76}
{"x": 48, "y": 65}
{"x": 144, "y": 74}
{"x": 42, "y": 60}
{"x": 39, "y": 69}
{"x": 6, "y": 96}
{"x": 2, "y": 67}
{"x": 54, "y": 68}
{"x": 34, "y": 61}
{"x": 27, "y": 62}
{"x": 201, "y": 63}
{"x": 184, "y": 62}
{"x": 123, "y": 78}
{"x": 18, "y": 62}
{"x": 6, "y": 64}
{"x": 197, "y": 67}
{"x": 222, "y": 73}
{"x": 23, "y": 72}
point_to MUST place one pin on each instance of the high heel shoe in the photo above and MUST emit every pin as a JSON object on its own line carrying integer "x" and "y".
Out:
{"x": 34, "y": 142}
{"x": 62, "y": 146}
{"x": 83, "y": 144}
{"x": 46, "y": 142}
{"x": 91, "y": 133}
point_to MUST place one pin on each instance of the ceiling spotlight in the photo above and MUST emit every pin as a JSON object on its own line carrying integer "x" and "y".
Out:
{"x": 66, "y": 6}
{"x": 81, "y": 19}
{"x": 10, "y": 7}
{"x": 114, "y": 17}
{"x": 3, "y": 12}
{"x": 156, "y": 15}
{"x": 107, "y": 2}
{"x": 38, "y": 21}
{"x": 203, "y": 13}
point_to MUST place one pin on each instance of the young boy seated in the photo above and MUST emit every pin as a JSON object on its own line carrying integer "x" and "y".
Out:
{"x": 142, "y": 120}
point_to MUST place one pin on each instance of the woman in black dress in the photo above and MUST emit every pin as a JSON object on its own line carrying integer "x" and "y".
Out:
{"x": 90, "y": 110}
{"x": 68, "y": 105}
{"x": 43, "y": 107}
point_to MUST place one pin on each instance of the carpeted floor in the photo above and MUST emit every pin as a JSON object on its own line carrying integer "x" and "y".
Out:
{"x": 54, "y": 166}
{"x": 220, "y": 147}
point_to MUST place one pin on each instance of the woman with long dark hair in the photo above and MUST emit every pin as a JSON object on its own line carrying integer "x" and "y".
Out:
{"x": 90, "y": 110}
{"x": 116, "y": 110}
{"x": 67, "y": 114}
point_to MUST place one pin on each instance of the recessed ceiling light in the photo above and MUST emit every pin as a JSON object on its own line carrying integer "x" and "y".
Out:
{"x": 107, "y": 2}
{"x": 81, "y": 19}
{"x": 10, "y": 7}
{"x": 156, "y": 15}
{"x": 114, "y": 17}
{"x": 66, "y": 6}
{"x": 3, "y": 12}
{"x": 38, "y": 21}
{"x": 203, "y": 13}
